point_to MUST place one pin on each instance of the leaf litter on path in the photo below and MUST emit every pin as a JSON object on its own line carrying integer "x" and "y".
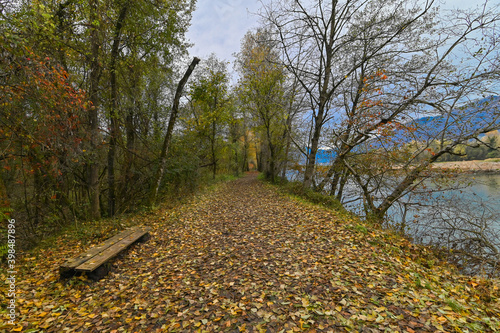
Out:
{"x": 245, "y": 258}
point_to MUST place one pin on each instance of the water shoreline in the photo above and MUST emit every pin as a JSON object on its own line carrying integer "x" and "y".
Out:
{"x": 475, "y": 166}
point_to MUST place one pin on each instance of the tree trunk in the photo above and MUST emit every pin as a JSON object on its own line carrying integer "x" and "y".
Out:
{"x": 311, "y": 156}
{"x": 114, "y": 126}
{"x": 4, "y": 199}
{"x": 129, "y": 153}
{"x": 286, "y": 136}
{"x": 272, "y": 158}
{"x": 127, "y": 180}
{"x": 343, "y": 181}
{"x": 94, "y": 76}
{"x": 380, "y": 211}
{"x": 213, "y": 142}
{"x": 168, "y": 135}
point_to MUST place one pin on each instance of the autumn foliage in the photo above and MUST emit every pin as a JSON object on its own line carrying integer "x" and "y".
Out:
{"x": 41, "y": 124}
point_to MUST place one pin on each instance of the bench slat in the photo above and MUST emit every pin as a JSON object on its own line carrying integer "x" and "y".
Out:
{"x": 77, "y": 261}
{"x": 110, "y": 252}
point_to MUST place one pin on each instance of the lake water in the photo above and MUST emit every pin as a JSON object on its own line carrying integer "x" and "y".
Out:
{"x": 472, "y": 196}
{"x": 440, "y": 216}
{"x": 469, "y": 195}
{"x": 486, "y": 186}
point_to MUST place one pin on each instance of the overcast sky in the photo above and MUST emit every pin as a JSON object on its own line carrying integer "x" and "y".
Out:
{"x": 219, "y": 25}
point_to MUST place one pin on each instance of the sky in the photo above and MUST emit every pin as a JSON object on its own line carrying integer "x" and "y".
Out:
{"x": 218, "y": 26}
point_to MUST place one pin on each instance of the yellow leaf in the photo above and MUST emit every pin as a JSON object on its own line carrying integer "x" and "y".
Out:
{"x": 439, "y": 327}
{"x": 17, "y": 329}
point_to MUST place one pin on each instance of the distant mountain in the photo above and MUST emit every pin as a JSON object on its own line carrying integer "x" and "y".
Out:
{"x": 461, "y": 121}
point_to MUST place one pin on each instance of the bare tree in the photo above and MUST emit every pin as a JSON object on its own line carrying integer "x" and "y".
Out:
{"x": 392, "y": 87}
{"x": 434, "y": 88}
{"x": 369, "y": 68}
{"x": 168, "y": 135}
{"x": 318, "y": 40}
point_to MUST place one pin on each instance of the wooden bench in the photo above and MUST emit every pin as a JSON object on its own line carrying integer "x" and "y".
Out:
{"x": 92, "y": 262}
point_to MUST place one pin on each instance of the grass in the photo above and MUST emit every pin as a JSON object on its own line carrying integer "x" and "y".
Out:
{"x": 296, "y": 189}
{"x": 454, "y": 305}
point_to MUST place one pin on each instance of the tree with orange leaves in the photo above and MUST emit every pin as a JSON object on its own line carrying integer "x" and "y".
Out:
{"x": 41, "y": 131}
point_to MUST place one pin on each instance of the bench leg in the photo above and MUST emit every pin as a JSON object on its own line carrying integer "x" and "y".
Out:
{"x": 144, "y": 238}
{"x": 67, "y": 273}
{"x": 99, "y": 272}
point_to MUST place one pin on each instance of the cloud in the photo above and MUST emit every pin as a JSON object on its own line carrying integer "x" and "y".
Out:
{"x": 218, "y": 26}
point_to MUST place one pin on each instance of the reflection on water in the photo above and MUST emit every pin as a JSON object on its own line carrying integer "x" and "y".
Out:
{"x": 482, "y": 187}
{"x": 475, "y": 192}
{"x": 486, "y": 186}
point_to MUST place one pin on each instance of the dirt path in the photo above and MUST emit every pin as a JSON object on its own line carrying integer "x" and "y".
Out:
{"x": 245, "y": 255}
{"x": 246, "y": 259}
